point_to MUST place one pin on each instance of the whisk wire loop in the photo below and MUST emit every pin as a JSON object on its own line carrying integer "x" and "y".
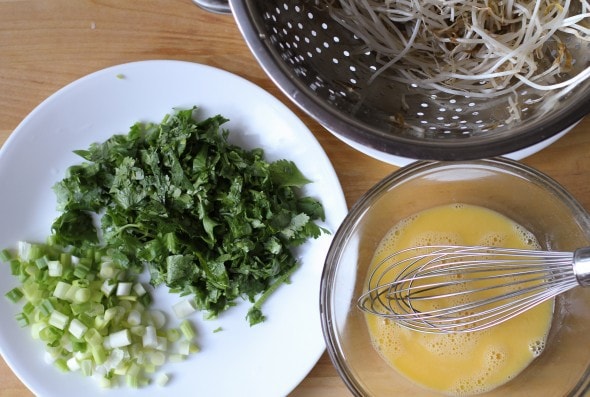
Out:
{"x": 464, "y": 289}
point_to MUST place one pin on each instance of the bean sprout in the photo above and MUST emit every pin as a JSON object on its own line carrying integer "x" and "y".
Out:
{"x": 476, "y": 48}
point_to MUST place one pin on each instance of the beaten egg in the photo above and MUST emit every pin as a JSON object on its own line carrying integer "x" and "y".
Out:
{"x": 462, "y": 363}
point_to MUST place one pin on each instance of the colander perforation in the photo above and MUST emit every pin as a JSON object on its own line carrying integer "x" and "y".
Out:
{"x": 332, "y": 69}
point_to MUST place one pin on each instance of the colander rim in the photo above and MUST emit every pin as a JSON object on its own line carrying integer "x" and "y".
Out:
{"x": 470, "y": 148}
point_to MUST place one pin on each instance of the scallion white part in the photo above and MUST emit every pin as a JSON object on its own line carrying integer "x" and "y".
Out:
{"x": 77, "y": 328}
{"x": 118, "y": 339}
{"x": 184, "y": 308}
{"x": 108, "y": 286}
{"x": 73, "y": 364}
{"x": 150, "y": 337}
{"x": 124, "y": 288}
{"x": 61, "y": 289}
{"x": 158, "y": 318}
{"x": 24, "y": 250}
{"x": 55, "y": 268}
{"x": 58, "y": 320}
{"x": 139, "y": 289}
{"x": 134, "y": 318}
{"x": 162, "y": 379}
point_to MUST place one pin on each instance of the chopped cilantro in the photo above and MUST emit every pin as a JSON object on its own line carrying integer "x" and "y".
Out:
{"x": 208, "y": 218}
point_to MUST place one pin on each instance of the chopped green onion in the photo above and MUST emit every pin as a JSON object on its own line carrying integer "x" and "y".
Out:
{"x": 36, "y": 251}
{"x": 28, "y": 308}
{"x": 86, "y": 367}
{"x": 61, "y": 289}
{"x": 108, "y": 287}
{"x": 187, "y": 330}
{"x": 14, "y": 294}
{"x": 22, "y": 320}
{"x": 58, "y": 319}
{"x": 77, "y": 328}
{"x": 158, "y": 318}
{"x": 150, "y": 338}
{"x": 100, "y": 327}
{"x": 41, "y": 262}
{"x": 185, "y": 347}
{"x": 73, "y": 364}
{"x": 175, "y": 358}
{"x": 46, "y": 307}
{"x": 118, "y": 339}
{"x": 49, "y": 335}
{"x": 98, "y": 354}
{"x": 36, "y": 329}
{"x": 82, "y": 295}
{"x": 184, "y": 308}
{"x": 81, "y": 270}
{"x": 158, "y": 358}
{"x": 132, "y": 381}
{"x": 134, "y": 318}
{"x": 15, "y": 267}
{"x": 62, "y": 365}
{"x": 66, "y": 259}
{"x": 162, "y": 344}
{"x": 105, "y": 383}
{"x": 123, "y": 288}
{"x": 139, "y": 289}
{"x": 31, "y": 291}
{"x": 24, "y": 249}
{"x": 5, "y": 255}
{"x": 162, "y": 379}
{"x": 107, "y": 270}
{"x": 55, "y": 268}
{"x": 173, "y": 334}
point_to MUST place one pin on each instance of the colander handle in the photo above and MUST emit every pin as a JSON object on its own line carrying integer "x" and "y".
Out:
{"x": 216, "y": 6}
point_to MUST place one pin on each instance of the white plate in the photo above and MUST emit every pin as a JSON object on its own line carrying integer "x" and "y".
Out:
{"x": 268, "y": 359}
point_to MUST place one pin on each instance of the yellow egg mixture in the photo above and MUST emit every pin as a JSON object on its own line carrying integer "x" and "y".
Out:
{"x": 463, "y": 363}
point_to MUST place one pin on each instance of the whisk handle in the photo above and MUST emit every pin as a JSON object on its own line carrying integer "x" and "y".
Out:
{"x": 581, "y": 265}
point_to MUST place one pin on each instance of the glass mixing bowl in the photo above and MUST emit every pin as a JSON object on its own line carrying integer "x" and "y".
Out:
{"x": 519, "y": 192}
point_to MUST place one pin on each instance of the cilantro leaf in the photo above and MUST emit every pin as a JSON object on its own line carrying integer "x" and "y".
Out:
{"x": 74, "y": 228}
{"x": 285, "y": 173}
{"x": 208, "y": 218}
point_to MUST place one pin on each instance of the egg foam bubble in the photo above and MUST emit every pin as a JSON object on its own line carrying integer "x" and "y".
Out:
{"x": 460, "y": 364}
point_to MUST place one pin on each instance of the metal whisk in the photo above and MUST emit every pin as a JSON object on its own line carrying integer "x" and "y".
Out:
{"x": 450, "y": 289}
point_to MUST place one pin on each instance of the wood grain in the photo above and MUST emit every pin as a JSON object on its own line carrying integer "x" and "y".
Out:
{"x": 46, "y": 44}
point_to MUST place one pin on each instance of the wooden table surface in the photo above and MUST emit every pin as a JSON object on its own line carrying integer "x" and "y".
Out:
{"x": 46, "y": 44}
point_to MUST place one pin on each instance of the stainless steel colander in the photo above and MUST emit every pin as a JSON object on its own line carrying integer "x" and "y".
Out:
{"x": 316, "y": 63}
